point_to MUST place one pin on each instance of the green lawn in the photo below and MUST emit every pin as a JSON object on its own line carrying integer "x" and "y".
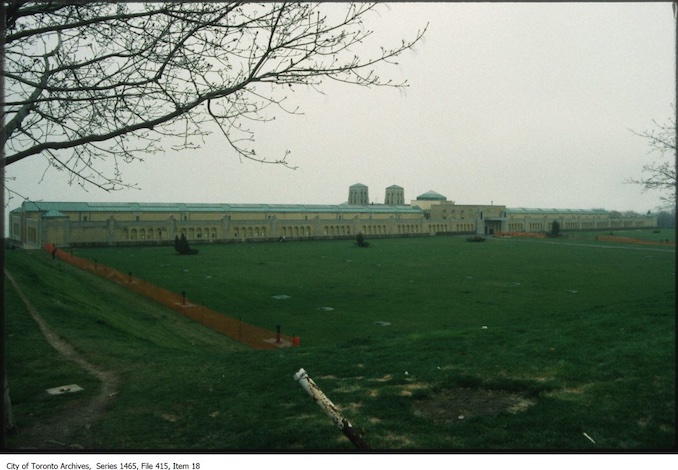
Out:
{"x": 416, "y": 285}
{"x": 570, "y": 338}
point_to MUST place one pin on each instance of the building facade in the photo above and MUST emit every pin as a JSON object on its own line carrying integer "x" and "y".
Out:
{"x": 70, "y": 224}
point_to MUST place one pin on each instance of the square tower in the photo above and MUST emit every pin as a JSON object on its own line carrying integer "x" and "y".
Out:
{"x": 395, "y": 196}
{"x": 358, "y": 195}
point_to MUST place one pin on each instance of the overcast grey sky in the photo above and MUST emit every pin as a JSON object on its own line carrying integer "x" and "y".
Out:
{"x": 524, "y": 105}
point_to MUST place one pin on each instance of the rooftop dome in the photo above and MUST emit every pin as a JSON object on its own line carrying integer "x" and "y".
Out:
{"x": 431, "y": 196}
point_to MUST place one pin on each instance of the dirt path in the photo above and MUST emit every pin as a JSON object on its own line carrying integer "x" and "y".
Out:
{"x": 56, "y": 432}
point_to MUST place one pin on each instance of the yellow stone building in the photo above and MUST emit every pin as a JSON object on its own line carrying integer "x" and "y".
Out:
{"x": 70, "y": 224}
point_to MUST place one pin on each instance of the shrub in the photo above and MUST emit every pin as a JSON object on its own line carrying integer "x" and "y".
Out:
{"x": 360, "y": 240}
{"x": 182, "y": 247}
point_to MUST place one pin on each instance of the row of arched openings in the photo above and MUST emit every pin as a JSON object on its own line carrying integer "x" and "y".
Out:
{"x": 142, "y": 234}
{"x": 156, "y": 234}
{"x": 249, "y": 232}
{"x": 199, "y": 233}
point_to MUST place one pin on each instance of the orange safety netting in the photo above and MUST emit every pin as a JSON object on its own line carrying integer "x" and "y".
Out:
{"x": 613, "y": 238}
{"x": 254, "y": 336}
{"x": 520, "y": 234}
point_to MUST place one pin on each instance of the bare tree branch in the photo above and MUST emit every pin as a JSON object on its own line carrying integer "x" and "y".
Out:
{"x": 93, "y": 82}
{"x": 661, "y": 174}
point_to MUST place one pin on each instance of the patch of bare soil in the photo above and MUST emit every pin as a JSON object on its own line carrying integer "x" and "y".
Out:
{"x": 56, "y": 432}
{"x": 456, "y": 406}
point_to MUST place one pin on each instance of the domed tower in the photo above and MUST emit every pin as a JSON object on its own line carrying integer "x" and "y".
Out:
{"x": 395, "y": 196}
{"x": 358, "y": 195}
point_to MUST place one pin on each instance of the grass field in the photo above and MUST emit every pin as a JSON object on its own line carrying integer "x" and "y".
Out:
{"x": 431, "y": 343}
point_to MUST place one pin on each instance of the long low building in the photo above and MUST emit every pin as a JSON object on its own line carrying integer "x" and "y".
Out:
{"x": 70, "y": 224}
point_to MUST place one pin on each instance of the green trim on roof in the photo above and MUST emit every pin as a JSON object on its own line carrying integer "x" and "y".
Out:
{"x": 536, "y": 211}
{"x": 58, "y": 209}
{"x": 54, "y": 214}
{"x": 210, "y": 207}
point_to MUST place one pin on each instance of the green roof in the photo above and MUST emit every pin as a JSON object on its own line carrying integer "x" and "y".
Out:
{"x": 431, "y": 196}
{"x": 54, "y": 214}
{"x": 58, "y": 209}
{"x": 526, "y": 210}
{"x": 62, "y": 207}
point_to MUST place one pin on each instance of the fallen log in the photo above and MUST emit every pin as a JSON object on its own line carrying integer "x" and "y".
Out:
{"x": 331, "y": 409}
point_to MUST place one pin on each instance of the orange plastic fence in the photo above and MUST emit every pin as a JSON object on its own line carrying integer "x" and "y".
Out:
{"x": 520, "y": 234}
{"x": 612, "y": 238}
{"x": 254, "y": 336}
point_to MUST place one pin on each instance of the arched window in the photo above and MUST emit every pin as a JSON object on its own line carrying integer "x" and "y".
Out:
{"x": 134, "y": 234}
